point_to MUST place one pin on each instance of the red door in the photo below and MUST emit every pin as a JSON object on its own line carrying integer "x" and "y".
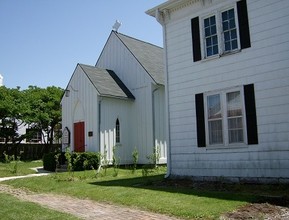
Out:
{"x": 79, "y": 137}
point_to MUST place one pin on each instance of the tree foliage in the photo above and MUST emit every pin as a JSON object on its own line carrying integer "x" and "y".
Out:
{"x": 11, "y": 112}
{"x": 36, "y": 107}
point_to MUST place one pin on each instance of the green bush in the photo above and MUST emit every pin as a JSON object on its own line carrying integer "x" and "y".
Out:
{"x": 49, "y": 161}
{"x": 80, "y": 161}
{"x": 85, "y": 161}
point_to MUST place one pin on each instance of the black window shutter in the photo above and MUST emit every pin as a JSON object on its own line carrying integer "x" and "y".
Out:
{"x": 251, "y": 118}
{"x": 196, "y": 39}
{"x": 201, "y": 131}
{"x": 243, "y": 24}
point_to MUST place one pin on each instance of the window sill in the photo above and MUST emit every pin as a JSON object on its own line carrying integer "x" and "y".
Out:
{"x": 230, "y": 52}
{"x": 227, "y": 147}
{"x": 217, "y": 56}
{"x": 118, "y": 144}
{"x": 204, "y": 59}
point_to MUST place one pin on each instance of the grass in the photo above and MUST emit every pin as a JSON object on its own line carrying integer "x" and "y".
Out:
{"x": 21, "y": 168}
{"x": 12, "y": 208}
{"x": 181, "y": 198}
{"x": 147, "y": 193}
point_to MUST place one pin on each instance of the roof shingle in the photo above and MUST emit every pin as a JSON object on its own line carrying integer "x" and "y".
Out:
{"x": 106, "y": 82}
{"x": 148, "y": 55}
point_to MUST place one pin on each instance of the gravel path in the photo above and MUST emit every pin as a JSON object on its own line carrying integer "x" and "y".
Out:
{"x": 82, "y": 208}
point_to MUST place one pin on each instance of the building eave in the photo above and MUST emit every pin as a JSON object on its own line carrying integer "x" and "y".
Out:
{"x": 170, "y": 5}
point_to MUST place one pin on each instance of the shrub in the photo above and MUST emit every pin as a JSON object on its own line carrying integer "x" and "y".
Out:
{"x": 135, "y": 159}
{"x": 49, "y": 161}
{"x": 79, "y": 161}
{"x": 85, "y": 161}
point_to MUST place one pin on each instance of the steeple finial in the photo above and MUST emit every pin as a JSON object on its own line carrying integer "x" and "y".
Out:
{"x": 116, "y": 25}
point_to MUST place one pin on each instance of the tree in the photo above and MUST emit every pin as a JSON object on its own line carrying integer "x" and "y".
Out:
{"x": 44, "y": 112}
{"x": 11, "y": 113}
{"x": 37, "y": 107}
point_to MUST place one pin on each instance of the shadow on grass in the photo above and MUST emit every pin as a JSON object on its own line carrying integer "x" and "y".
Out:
{"x": 187, "y": 187}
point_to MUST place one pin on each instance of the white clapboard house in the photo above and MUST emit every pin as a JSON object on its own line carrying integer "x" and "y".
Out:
{"x": 118, "y": 104}
{"x": 227, "y": 83}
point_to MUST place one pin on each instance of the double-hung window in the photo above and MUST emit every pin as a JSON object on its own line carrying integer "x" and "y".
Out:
{"x": 227, "y": 117}
{"x": 220, "y": 33}
{"x": 223, "y": 31}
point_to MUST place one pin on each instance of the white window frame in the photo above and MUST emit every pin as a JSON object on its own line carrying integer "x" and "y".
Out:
{"x": 221, "y": 41}
{"x": 223, "y": 96}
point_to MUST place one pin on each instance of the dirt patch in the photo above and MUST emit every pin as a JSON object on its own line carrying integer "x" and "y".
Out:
{"x": 258, "y": 211}
{"x": 272, "y": 201}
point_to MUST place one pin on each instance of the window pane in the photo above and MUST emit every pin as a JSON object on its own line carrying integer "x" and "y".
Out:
{"x": 235, "y": 119}
{"x": 214, "y": 106}
{"x": 234, "y": 107}
{"x": 206, "y": 22}
{"x": 227, "y": 36}
{"x": 207, "y": 32}
{"x": 209, "y": 42}
{"x": 213, "y": 30}
{"x": 229, "y": 30}
{"x": 235, "y": 123}
{"x": 215, "y": 132}
{"x": 234, "y": 34}
{"x": 117, "y": 131}
{"x": 231, "y": 13}
{"x": 215, "y": 50}
{"x": 232, "y": 23}
{"x": 211, "y": 38}
{"x": 234, "y": 44}
{"x": 212, "y": 20}
{"x": 224, "y": 16}
{"x": 215, "y": 40}
{"x": 235, "y": 130}
{"x": 227, "y": 46}
{"x": 225, "y": 25}
{"x": 209, "y": 51}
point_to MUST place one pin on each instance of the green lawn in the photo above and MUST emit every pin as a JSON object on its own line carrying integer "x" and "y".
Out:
{"x": 18, "y": 168}
{"x": 149, "y": 193}
{"x": 12, "y": 208}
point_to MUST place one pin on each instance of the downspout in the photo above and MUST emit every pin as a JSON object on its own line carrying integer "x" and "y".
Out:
{"x": 154, "y": 118}
{"x": 160, "y": 18}
{"x": 99, "y": 122}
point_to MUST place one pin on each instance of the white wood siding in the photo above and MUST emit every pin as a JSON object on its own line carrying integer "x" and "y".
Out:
{"x": 265, "y": 64}
{"x": 81, "y": 105}
{"x": 111, "y": 110}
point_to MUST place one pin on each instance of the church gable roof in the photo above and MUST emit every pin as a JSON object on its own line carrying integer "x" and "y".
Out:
{"x": 106, "y": 82}
{"x": 148, "y": 55}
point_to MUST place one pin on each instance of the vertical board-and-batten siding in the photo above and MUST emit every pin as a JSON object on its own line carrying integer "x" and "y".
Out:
{"x": 80, "y": 107}
{"x": 265, "y": 64}
{"x": 138, "y": 82}
{"x": 111, "y": 110}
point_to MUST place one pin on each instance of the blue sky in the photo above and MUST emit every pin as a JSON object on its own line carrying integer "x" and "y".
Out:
{"x": 41, "y": 41}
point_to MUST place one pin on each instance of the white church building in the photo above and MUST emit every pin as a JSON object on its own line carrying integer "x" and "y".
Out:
{"x": 118, "y": 103}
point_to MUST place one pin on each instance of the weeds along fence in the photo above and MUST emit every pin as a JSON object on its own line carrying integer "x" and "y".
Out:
{"x": 28, "y": 151}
